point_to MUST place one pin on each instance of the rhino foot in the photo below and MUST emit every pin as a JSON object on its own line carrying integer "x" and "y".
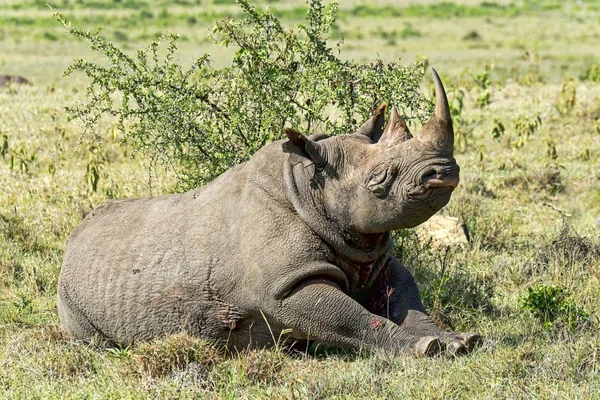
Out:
{"x": 458, "y": 343}
{"x": 454, "y": 344}
{"x": 428, "y": 346}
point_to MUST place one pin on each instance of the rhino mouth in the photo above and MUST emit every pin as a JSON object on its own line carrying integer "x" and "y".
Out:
{"x": 441, "y": 186}
{"x": 437, "y": 181}
{"x": 441, "y": 183}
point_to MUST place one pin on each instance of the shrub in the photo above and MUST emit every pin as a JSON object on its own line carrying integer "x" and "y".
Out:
{"x": 553, "y": 304}
{"x": 201, "y": 121}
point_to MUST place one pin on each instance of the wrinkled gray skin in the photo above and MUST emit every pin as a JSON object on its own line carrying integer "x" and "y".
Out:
{"x": 296, "y": 238}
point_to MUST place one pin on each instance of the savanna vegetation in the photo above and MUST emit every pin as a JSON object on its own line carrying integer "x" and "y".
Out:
{"x": 523, "y": 78}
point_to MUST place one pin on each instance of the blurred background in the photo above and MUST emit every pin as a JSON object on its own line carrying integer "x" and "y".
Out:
{"x": 521, "y": 40}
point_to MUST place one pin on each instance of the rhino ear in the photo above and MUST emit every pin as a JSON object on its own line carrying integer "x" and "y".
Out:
{"x": 295, "y": 136}
{"x": 395, "y": 129}
{"x": 373, "y": 128}
{"x": 315, "y": 150}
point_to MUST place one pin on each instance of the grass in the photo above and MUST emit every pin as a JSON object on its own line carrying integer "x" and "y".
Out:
{"x": 532, "y": 206}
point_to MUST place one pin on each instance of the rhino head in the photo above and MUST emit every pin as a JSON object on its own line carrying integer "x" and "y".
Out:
{"x": 381, "y": 179}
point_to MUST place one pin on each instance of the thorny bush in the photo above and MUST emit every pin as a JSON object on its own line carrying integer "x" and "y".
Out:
{"x": 201, "y": 121}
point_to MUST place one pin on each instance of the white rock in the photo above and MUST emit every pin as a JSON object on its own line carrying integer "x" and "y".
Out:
{"x": 443, "y": 231}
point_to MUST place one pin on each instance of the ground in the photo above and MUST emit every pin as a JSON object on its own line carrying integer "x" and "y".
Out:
{"x": 524, "y": 80}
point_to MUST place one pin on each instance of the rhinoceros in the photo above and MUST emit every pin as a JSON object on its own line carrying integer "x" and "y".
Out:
{"x": 295, "y": 243}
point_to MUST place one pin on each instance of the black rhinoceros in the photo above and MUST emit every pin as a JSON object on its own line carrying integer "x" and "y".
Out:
{"x": 294, "y": 241}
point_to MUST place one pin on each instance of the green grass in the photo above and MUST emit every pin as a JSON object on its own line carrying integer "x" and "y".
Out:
{"x": 530, "y": 197}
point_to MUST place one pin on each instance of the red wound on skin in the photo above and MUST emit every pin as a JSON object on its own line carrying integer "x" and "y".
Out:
{"x": 229, "y": 317}
{"x": 230, "y": 324}
{"x": 376, "y": 323}
{"x": 379, "y": 301}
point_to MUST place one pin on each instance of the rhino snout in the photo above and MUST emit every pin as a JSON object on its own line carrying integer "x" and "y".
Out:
{"x": 441, "y": 177}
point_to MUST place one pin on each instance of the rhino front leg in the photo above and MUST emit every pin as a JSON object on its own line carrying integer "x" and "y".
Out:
{"x": 318, "y": 310}
{"x": 395, "y": 296}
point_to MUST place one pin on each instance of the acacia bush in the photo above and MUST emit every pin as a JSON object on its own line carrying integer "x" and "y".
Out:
{"x": 200, "y": 121}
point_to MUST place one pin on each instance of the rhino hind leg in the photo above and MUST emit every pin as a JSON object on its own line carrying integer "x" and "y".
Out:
{"x": 395, "y": 296}
{"x": 75, "y": 324}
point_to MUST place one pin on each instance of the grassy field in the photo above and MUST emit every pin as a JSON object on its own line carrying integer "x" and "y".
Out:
{"x": 524, "y": 80}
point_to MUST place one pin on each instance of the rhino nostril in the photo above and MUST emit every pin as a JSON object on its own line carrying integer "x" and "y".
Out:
{"x": 431, "y": 174}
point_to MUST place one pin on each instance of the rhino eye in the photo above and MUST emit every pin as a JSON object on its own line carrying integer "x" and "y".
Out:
{"x": 379, "y": 181}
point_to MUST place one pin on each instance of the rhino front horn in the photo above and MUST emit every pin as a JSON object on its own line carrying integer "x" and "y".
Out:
{"x": 438, "y": 130}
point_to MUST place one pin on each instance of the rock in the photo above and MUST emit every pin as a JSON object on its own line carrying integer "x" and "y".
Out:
{"x": 5, "y": 80}
{"x": 442, "y": 231}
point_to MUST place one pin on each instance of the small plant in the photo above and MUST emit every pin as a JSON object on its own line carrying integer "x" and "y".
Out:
{"x": 551, "y": 150}
{"x": 409, "y": 31}
{"x": 472, "y": 36}
{"x": 119, "y": 353}
{"x": 456, "y": 98}
{"x": 585, "y": 155}
{"x": 456, "y": 101}
{"x": 532, "y": 73}
{"x": 94, "y": 167}
{"x": 551, "y": 305}
{"x": 567, "y": 97}
{"x": 483, "y": 83}
{"x": 498, "y": 129}
{"x": 525, "y": 127}
{"x": 21, "y": 160}
{"x": 4, "y": 146}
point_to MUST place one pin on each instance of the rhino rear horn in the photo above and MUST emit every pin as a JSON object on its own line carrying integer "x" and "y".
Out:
{"x": 373, "y": 128}
{"x": 315, "y": 150}
{"x": 438, "y": 130}
{"x": 396, "y": 128}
